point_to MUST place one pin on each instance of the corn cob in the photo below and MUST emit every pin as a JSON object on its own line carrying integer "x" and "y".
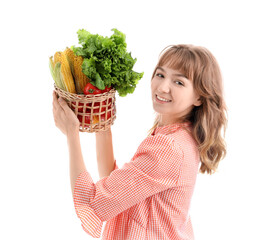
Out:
{"x": 52, "y": 68}
{"x": 66, "y": 74}
{"x": 55, "y": 72}
{"x": 57, "y": 57}
{"x": 71, "y": 59}
{"x": 58, "y": 76}
{"x": 80, "y": 78}
{"x": 70, "y": 56}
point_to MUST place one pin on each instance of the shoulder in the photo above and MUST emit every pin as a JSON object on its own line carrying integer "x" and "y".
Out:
{"x": 183, "y": 137}
{"x": 162, "y": 146}
{"x": 184, "y": 142}
{"x": 159, "y": 156}
{"x": 159, "y": 138}
{"x": 156, "y": 142}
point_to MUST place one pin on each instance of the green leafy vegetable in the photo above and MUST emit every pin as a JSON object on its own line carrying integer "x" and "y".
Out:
{"x": 107, "y": 62}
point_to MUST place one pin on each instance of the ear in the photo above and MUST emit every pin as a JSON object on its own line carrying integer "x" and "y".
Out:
{"x": 198, "y": 102}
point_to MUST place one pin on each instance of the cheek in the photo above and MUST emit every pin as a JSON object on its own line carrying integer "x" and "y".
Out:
{"x": 153, "y": 85}
{"x": 183, "y": 99}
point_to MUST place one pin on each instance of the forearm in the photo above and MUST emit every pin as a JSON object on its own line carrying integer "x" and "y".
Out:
{"x": 104, "y": 153}
{"x": 77, "y": 164}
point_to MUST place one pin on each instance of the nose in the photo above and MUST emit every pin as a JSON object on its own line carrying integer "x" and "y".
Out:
{"x": 164, "y": 86}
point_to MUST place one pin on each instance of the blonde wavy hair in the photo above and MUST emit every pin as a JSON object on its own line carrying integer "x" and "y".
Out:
{"x": 209, "y": 120}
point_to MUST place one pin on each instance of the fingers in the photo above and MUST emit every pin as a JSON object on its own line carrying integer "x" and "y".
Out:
{"x": 55, "y": 101}
{"x": 59, "y": 102}
{"x": 57, "y": 109}
{"x": 63, "y": 104}
{"x": 60, "y": 106}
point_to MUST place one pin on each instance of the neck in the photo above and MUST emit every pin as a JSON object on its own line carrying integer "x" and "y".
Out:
{"x": 163, "y": 120}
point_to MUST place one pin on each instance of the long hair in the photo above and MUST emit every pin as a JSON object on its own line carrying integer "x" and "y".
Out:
{"x": 209, "y": 120}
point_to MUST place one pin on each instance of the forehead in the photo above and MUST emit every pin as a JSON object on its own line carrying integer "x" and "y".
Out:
{"x": 171, "y": 71}
{"x": 178, "y": 60}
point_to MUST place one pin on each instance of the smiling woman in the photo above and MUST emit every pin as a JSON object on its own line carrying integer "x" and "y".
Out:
{"x": 187, "y": 86}
{"x": 173, "y": 95}
{"x": 155, "y": 188}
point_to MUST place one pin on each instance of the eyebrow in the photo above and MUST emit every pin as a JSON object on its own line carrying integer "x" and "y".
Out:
{"x": 178, "y": 75}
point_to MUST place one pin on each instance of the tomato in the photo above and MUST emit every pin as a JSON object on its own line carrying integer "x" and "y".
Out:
{"x": 86, "y": 118}
{"x": 96, "y": 108}
{"x": 79, "y": 107}
{"x": 99, "y": 109}
{"x": 91, "y": 89}
{"x": 103, "y": 116}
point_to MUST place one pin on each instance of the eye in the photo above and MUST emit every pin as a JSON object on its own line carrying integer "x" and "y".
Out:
{"x": 179, "y": 83}
{"x": 160, "y": 75}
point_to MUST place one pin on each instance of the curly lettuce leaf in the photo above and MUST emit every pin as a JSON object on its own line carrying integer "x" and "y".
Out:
{"x": 107, "y": 62}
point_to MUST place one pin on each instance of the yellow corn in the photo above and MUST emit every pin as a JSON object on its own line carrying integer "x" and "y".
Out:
{"x": 80, "y": 78}
{"x": 58, "y": 76}
{"x": 70, "y": 56}
{"x": 51, "y": 67}
{"x": 55, "y": 72}
{"x": 71, "y": 59}
{"x": 66, "y": 74}
{"x": 57, "y": 57}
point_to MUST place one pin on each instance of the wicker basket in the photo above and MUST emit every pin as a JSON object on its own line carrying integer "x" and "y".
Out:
{"x": 95, "y": 112}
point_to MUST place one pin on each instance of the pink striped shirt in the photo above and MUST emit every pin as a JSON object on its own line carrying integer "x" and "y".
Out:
{"x": 149, "y": 197}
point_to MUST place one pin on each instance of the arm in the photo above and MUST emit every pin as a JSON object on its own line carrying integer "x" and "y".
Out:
{"x": 154, "y": 168}
{"x": 77, "y": 164}
{"x": 68, "y": 123}
{"x": 104, "y": 153}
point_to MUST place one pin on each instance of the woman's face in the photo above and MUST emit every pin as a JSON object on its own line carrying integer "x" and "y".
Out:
{"x": 173, "y": 95}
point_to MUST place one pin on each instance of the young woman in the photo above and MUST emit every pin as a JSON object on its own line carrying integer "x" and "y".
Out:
{"x": 149, "y": 197}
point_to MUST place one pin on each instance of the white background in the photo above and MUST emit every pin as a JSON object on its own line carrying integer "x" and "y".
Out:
{"x": 36, "y": 200}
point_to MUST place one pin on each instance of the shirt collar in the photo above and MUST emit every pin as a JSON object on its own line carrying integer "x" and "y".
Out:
{"x": 167, "y": 129}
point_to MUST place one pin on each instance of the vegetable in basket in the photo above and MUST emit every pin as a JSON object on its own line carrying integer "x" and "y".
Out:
{"x": 97, "y": 66}
{"x": 106, "y": 61}
{"x": 91, "y": 89}
{"x": 102, "y": 61}
{"x": 67, "y": 72}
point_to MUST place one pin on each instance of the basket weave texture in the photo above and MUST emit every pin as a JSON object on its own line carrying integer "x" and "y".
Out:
{"x": 94, "y": 112}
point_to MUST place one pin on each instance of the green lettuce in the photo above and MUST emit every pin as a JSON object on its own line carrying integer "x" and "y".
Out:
{"x": 107, "y": 62}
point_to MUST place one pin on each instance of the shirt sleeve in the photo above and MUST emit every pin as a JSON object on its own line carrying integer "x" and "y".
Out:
{"x": 155, "y": 167}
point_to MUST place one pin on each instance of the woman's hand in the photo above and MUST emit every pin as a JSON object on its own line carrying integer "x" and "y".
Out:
{"x": 65, "y": 118}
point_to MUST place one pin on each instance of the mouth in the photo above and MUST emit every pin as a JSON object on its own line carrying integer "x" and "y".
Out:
{"x": 161, "y": 99}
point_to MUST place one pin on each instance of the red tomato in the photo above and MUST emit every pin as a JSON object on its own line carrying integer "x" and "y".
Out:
{"x": 86, "y": 118}
{"x": 96, "y": 108}
{"x": 103, "y": 116}
{"x": 91, "y": 89}
{"x": 101, "y": 110}
{"x": 80, "y": 106}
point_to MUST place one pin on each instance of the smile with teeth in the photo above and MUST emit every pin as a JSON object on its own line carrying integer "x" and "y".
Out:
{"x": 162, "y": 99}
